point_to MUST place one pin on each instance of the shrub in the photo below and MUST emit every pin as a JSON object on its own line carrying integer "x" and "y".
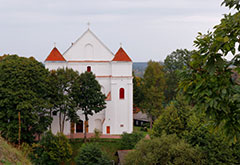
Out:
{"x": 90, "y": 154}
{"x": 128, "y": 141}
{"x": 51, "y": 149}
{"x": 174, "y": 119}
{"x": 214, "y": 145}
{"x": 168, "y": 149}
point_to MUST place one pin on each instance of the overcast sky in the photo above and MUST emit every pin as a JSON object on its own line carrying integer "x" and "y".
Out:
{"x": 148, "y": 29}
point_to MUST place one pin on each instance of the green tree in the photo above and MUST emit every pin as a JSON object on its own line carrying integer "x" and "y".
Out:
{"x": 86, "y": 92}
{"x": 173, "y": 63}
{"x": 137, "y": 91}
{"x": 208, "y": 83}
{"x": 168, "y": 149}
{"x": 61, "y": 100}
{"x": 90, "y": 154}
{"x": 215, "y": 146}
{"x": 51, "y": 150}
{"x": 177, "y": 118}
{"x": 153, "y": 90}
{"x": 23, "y": 98}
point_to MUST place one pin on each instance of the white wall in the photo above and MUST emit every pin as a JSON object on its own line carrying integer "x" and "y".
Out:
{"x": 88, "y": 47}
{"x": 120, "y": 68}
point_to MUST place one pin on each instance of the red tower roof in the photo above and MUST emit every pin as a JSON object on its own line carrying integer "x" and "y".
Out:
{"x": 121, "y": 55}
{"x": 55, "y": 55}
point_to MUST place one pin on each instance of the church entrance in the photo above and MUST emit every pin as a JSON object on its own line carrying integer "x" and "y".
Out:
{"x": 79, "y": 126}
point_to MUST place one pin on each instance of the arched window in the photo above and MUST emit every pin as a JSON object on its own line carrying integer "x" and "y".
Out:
{"x": 121, "y": 93}
{"x": 89, "y": 68}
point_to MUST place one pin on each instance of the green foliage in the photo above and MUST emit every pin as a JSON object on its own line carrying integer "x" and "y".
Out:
{"x": 179, "y": 118}
{"x": 91, "y": 154}
{"x": 137, "y": 91}
{"x": 232, "y": 4}
{"x": 168, "y": 149}
{"x": 173, "y": 63}
{"x": 153, "y": 90}
{"x": 128, "y": 141}
{"x": 61, "y": 101}
{"x": 86, "y": 92}
{"x": 208, "y": 82}
{"x": 23, "y": 88}
{"x": 174, "y": 119}
{"x": 217, "y": 150}
{"x": 51, "y": 150}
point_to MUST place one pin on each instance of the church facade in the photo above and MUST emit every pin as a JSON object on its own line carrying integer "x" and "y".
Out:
{"x": 114, "y": 74}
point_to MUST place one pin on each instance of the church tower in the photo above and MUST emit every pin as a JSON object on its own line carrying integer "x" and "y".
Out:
{"x": 122, "y": 95}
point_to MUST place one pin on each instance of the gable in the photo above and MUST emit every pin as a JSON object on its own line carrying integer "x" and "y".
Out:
{"x": 121, "y": 55}
{"x": 55, "y": 55}
{"x": 88, "y": 48}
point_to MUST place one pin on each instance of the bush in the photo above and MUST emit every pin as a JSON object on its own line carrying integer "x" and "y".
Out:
{"x": 168, "y": 149}
{"x": 174, "y": 119}
{"x": 214, "y": 145}
{"x": 90, "y": 154}
{"x": 128, "y": 141}
{"x": 51, "y": 150}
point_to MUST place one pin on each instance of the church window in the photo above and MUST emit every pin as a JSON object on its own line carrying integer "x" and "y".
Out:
{"x": 121, "y": 93}
{"x": 89, "y": 68}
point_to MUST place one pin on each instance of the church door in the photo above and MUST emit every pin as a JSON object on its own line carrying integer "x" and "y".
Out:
{"x": 79, "y": 126}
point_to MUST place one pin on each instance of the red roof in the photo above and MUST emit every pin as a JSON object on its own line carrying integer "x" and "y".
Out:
{"x": 121, "y": 55}
{"x": 55, "y": 55}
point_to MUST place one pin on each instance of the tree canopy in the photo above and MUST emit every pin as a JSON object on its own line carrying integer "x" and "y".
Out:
{"x": 137, "y": 91}
{"x": 174, "y": 62}
{"x": 51, "y": 149}
{"x": 61, "y": 82}
{"x": 153, "y": 90}
{"x": 23, "y": 90}
{"x": 208, "y": 82}
{"x": 168, "y": 149}
{"x": 86, "y": 92}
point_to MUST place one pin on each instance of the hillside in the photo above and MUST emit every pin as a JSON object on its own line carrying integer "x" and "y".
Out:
{"x": 139, "y": 68}
{"x": 10, "y": 155}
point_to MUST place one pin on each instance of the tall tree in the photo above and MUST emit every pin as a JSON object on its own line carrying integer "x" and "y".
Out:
{"x": 86, "y": 92}
{"x": 137, "y": 91}
{"x": 173, "y": 63}
{"x": 61, "y": 99}
{"x": 175, "y": 118}
{"x": 153, "y": 90}
{"x": 23, "y": 98}
{"x": 208, "y": 83}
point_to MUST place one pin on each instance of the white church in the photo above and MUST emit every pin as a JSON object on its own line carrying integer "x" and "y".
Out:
{"x": 114, "y": 74}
